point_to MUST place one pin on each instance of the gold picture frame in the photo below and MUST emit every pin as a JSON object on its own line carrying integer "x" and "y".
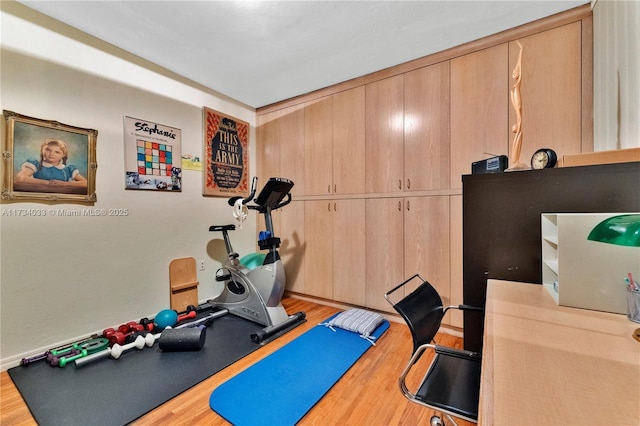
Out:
{"x": 68, "y": 176}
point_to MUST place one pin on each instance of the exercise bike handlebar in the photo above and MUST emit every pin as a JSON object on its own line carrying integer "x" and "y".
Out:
{"x": 254, "y": 184}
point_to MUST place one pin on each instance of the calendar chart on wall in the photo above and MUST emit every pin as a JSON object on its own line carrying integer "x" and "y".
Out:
{"x": 153, "y": 157}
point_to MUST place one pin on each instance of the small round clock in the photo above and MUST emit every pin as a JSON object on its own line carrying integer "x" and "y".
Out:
{"x": 544, "y": 158}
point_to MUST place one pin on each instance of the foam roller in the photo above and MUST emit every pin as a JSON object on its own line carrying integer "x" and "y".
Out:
{"x": 182, "y": 339}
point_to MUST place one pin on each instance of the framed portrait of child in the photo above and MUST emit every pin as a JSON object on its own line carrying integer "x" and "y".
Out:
{"x": 45, "y": 160}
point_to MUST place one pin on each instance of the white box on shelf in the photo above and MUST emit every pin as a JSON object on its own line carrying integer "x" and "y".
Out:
{"x": 581, "y": 273}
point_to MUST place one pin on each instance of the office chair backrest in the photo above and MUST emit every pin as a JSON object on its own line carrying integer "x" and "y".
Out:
{"x": 423, "y": 311}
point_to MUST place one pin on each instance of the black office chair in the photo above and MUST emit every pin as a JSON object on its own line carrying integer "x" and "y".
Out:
{"x": 451, "y": 385}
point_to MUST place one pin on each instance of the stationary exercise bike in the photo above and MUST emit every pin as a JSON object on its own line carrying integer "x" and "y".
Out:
{"x": 255, "y": 294}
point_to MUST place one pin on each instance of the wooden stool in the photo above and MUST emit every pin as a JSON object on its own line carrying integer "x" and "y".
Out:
{"x": 183, "y": 283}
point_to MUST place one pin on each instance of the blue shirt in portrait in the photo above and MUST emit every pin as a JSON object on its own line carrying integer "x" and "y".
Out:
{"x": 48, "y": 171}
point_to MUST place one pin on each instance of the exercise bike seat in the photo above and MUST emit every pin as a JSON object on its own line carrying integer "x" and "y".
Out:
{"x": 216, "y": 228}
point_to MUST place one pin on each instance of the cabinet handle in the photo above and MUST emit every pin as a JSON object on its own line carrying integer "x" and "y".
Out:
{"x": 408, "y": 183}
{"x": 408, "y": 205}
{"x": 329, "y": 188}
{"x": 335, "y": 188}
{"x": 334, "y": 207}
{"x": 399, "y": 183}
{"x": 329, "y": 207}
{"x": 399, "y": 206}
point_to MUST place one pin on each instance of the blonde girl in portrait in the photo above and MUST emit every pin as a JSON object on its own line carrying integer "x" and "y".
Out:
{"x": 52, "y": 168}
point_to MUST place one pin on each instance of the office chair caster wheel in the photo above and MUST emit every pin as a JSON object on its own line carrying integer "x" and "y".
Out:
{"x": 436, "y": 421}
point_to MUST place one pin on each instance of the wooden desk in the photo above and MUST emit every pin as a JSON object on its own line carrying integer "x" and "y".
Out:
{"x": 545, "y": 364}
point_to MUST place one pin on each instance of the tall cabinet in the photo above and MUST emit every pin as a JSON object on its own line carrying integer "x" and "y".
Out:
{"x": 378, "y": 161}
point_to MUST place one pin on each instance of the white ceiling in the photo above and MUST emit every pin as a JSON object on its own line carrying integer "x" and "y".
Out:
{"x": 261, "y": 52}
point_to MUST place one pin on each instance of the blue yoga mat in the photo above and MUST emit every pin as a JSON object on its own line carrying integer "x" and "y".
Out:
{"x": 283, "y": 387}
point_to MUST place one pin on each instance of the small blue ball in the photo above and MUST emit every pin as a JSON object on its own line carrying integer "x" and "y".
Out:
{"x": 166, "y": 318}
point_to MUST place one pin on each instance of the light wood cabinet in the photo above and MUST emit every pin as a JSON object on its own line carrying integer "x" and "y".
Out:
{"x": 384, "y": 253}
{"x": 455, "y": 317}
{"x": 289, "y": 226}
{"x": 405, "y": 236}
{"x": 426, "y": 128}
{"x": 349, "y": 251}
{"x": 280, "y": 149}
{"x": 479, "y": 109}
{"x": 334, "y": 144}
{"x": 349, "y": 141}
{"x": 318, "y": 262}
{"x": 426, "y": 241}
{"x": 551, "y": 91}
{"x": 378, "y": 160}
{"x": 384, "y": 135}
{"x": 334, "y": 250}
{"x": 318, "y": 146}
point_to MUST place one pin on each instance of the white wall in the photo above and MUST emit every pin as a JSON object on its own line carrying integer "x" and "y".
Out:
{"x": 616, "y": 74}
{"x": 63, "y": 278}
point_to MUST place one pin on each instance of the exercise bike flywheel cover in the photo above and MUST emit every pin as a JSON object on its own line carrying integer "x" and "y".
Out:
{"x": 253, "y": 260}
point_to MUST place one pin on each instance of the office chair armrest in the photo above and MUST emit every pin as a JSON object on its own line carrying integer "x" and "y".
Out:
{"x": 414, "y": 358}
{"x": 464, "y": 308}
{"x": 459, "y": 353}
{"x": 470, "y": 308}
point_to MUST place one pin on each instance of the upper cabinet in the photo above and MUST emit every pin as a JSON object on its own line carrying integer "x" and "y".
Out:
{"x": 426, "y": 128}
{"x": 318, "y": 146}
{"x": 384, "y": 135}
{"x": 281, "y": 146}
{"x": 334, "y": 144}
{"x": 348, "y": 141}
{"x": 407, "y": 136}
{"x": 479, "y": 109}
{"x": 551, "y": 91}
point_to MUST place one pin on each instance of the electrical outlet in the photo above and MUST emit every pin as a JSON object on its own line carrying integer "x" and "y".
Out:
{"x": 201, "y": 264}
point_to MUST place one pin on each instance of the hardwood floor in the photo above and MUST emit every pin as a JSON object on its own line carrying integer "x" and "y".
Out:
{"x": 368, "y": 394}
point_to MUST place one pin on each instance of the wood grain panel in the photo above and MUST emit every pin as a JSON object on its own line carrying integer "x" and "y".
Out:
{"x": 293, "y": 245}
{"x": 291, "y": 142}
{"x": 318, "y": 143}
{"x": 349, "y": 251}
{"x": 426, "y": 128}
{"x": 384, "y": 135}
{"x": 385, "y": 250}
{"x": 349, "y": 141}
{"x": 455, "y": 317}
{"x": 318, "y": 262}
{"x": 426, "y": 241}
{"x": 479, "y": 102}
{"x": 551, "y": 91}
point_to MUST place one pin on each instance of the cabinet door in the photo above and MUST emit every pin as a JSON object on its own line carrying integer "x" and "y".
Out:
{"x": 318, "y": 142}
{"x": 348, "y": 141}
{"x": 384, "y": 250}
{"x": 426, "y": 128}
{"x": 291, "y": 139}
{"x": 318, "y": 259}
{"x": 551, "y": 91}
{"x": 479, "y": 103}
{"x": 291, "y": 232}
{"x": 454, "y": 317}
{"x": 349, "y": 251}
{"x": 384, "y": 135}
{"x": 426, "y": 241}
{"x": 268, "y": 146}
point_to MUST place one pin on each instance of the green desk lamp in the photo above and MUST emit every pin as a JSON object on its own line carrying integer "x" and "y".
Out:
{"x": 622, "y": 230}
